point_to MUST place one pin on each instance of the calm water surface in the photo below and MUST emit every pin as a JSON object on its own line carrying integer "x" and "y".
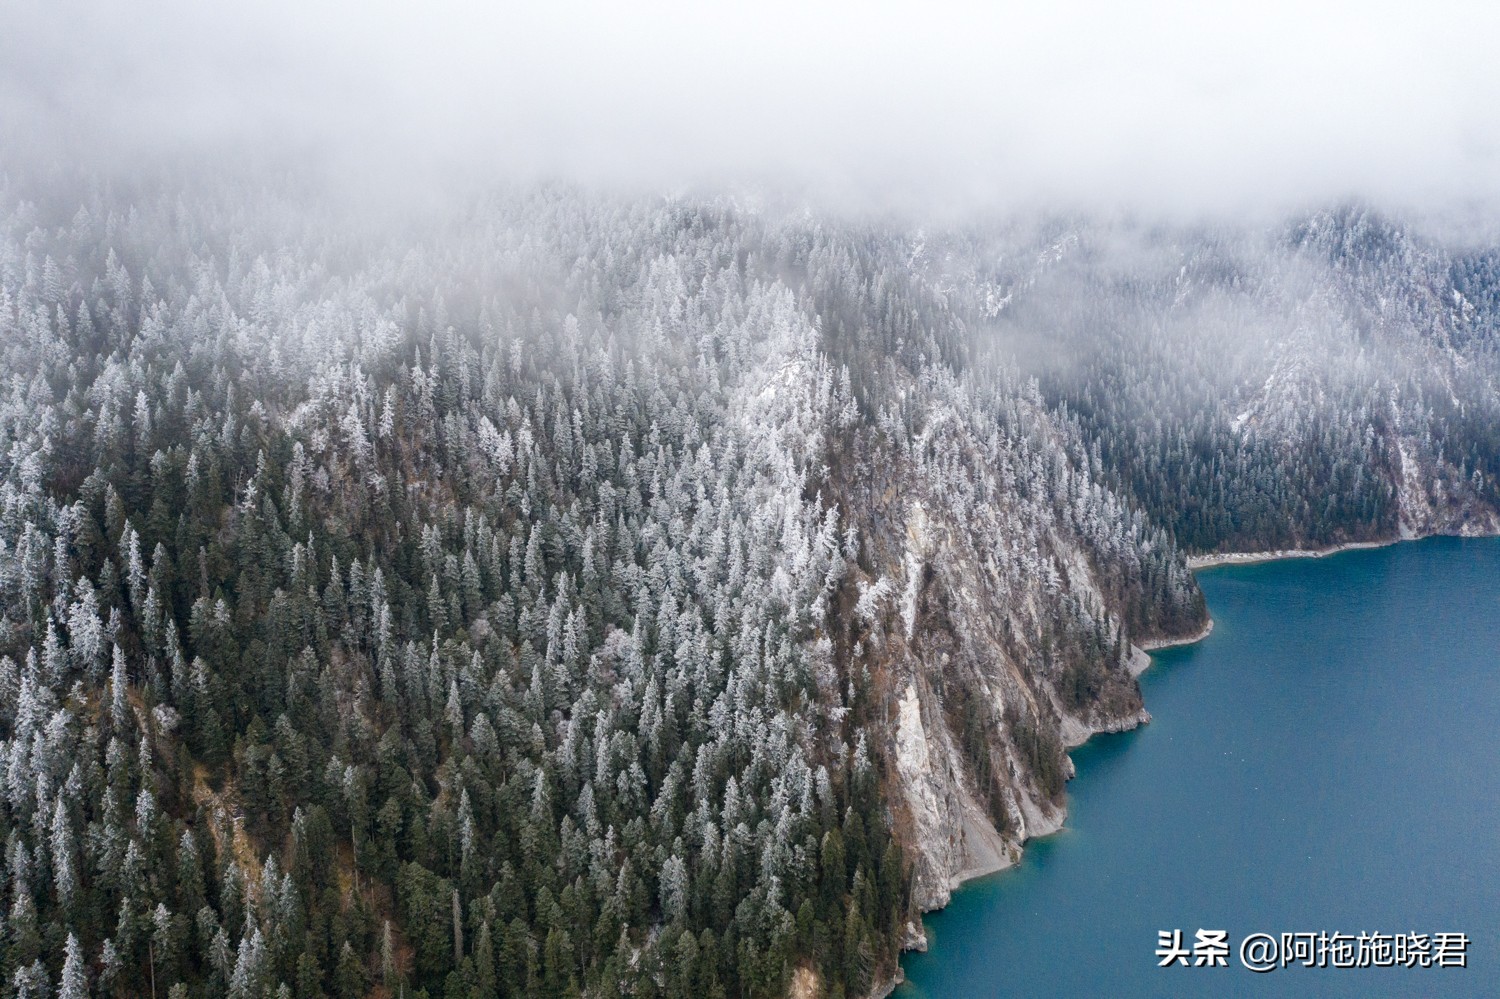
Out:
{"x": 1325, "y": 760}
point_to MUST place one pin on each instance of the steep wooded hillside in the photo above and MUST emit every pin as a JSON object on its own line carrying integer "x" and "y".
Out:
{"x": 578, "y": 595}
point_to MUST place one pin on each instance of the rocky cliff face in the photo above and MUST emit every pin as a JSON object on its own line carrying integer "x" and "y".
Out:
{"x": 1433, "y": 496}
{"x": 962, "y": 689}
{"x": 998, "y": 583}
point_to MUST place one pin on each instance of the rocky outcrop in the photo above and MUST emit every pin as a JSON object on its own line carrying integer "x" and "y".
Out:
{"x": 978, "y": 608}
{"x": 1433, "y": 497}
{"x": 953, "y": 836}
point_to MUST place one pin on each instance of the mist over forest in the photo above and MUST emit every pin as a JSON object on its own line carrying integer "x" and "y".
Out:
{"x": 585, "y": 503}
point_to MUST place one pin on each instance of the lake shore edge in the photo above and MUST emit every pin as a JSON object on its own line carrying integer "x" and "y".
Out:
{"x": 1157, "y": 644}
{"x": 1140, "y": 651}
{"x": 1196, "y": 562}
{"x": 1247, "y": 558}
{"x": 885, "y": 988}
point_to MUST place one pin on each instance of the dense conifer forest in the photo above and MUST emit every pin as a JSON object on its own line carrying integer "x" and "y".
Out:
{"x": 554, "y": 596}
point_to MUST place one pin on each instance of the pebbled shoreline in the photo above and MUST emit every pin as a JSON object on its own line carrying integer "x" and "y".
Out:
{"x": 1157, "y": 644}
{"x": 1196, "y": 562}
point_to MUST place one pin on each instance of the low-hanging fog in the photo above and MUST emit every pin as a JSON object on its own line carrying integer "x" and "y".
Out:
{"x": 1155, "y": 106}
{"x": 433, "y": 562}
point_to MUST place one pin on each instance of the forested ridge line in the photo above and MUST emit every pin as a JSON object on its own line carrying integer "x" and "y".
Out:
{"x": 524, "y": 602}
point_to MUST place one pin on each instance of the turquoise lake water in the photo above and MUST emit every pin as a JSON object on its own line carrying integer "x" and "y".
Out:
{"x": 1326, "y": 760}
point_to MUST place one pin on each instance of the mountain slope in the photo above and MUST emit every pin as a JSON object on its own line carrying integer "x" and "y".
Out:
{"x": 580, "y": 595}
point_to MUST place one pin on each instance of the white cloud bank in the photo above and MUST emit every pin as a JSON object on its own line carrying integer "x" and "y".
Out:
{"x": 1146, "y": 104}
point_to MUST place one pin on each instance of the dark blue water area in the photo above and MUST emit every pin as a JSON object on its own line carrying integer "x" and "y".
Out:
{"x": 1326, "y": 760}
